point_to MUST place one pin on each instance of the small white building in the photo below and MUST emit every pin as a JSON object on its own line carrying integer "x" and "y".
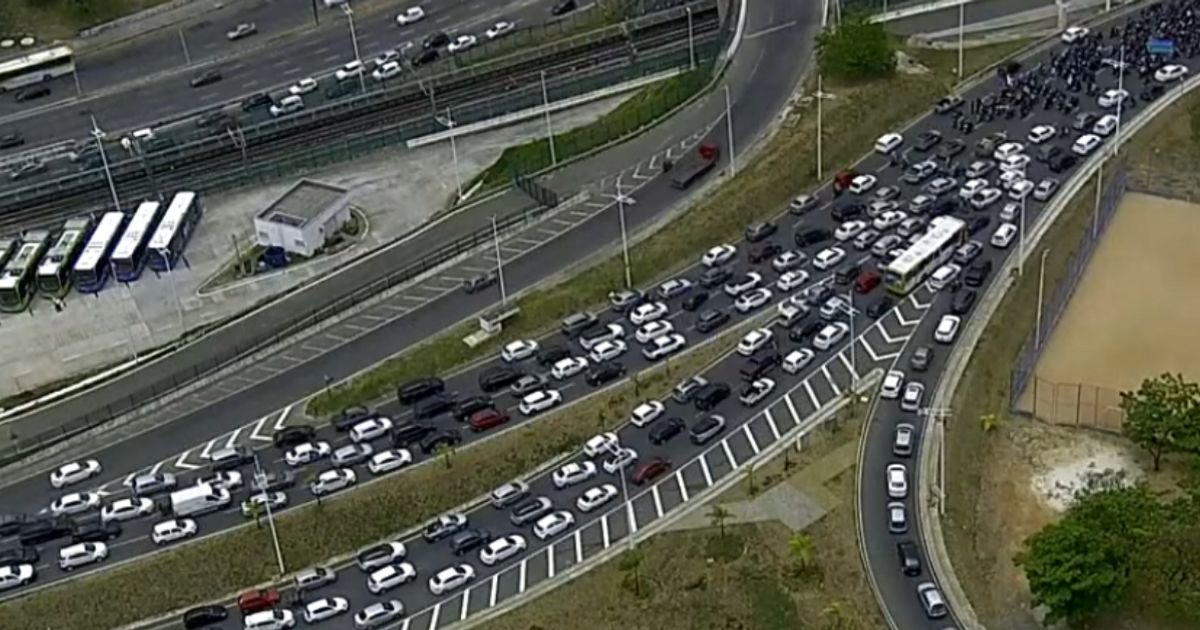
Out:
{"x": 304, "y": 219}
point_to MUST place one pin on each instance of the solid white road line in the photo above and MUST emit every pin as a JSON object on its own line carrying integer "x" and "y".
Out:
{"x": 708, "y": 480}
{"x": 750, "y": 438}
{"x": 812, "y": 397}
{"x": 682, "y": 486}
{"x": 837, "y": 392}
{"x": 578, "y": 546}
{"x": 233, "y": 437}
{"x": 549, "y": 562}
{"x": 729, "y": 454}
{"x": 630, "y": 518}
{"x": 433, "y": 617}
{"x": 604, "y": 531}
{"x": 771, "y": 423}
{"x": 466, "y": 603}
{"x": 657, "y": 501}
{"x": 495, "y": 584}
{"x": 787, "y": 398}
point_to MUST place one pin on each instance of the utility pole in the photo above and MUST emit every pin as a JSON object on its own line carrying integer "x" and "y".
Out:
{"x": 499, "y": 262}
{"x": 112, "y": 187}
{"x": 962, "y": 11}
{"x": 729, "y": 127}
{"x": 1037, "y": 337}
{"x": 448, "y": 123}
{"x": 261, "y": 479}
{"x": 362, "y": 71}
{"x": 549, "y": 128}
{"x": 939, "y": 416}
{"x": 620, "y": 197}
{"x": 691, "y": 41}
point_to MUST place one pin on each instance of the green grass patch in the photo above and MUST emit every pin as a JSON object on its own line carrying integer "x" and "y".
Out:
{"x": 56, "y": 19}
{"x": 209, "y": 569}
{"x": 641, "y": 110}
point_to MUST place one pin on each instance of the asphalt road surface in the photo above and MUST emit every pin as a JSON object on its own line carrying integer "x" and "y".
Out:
{"x": 978, "y": 11}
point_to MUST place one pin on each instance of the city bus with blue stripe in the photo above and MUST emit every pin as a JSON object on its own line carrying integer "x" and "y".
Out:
{"x": 174, "y": 231}
{"x": 90, "y": 272}
{"x": 129, "y": 258}
{"x": 54, "y": 270}
{"x": 18, "y": 282}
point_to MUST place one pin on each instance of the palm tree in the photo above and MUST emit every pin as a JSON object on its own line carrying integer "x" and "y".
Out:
{"x": 310, "y": 477}
{"x": 631, "y": 563}
{"x": 718, "y": 515}
{"x": 256, "y": 511}
{"x": 444, "y": 451}
{"x": 801, "y": 547}
{"x": 835, "y": 617}
{"x": 753, "y": 488}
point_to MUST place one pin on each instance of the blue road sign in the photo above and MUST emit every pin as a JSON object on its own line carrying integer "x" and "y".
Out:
{"x": 1157, "y": 46}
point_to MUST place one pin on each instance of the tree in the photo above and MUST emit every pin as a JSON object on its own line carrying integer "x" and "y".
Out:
{"x": 988, "y": 422}
{"x": 801, "y": 548}
{"x": 256, "y": 512}
{"x": 717, "y": 514}
{"x": 631, "y": 565}
{"x": 446, "y": 452}
{"x": 856, "y": 49}
{"x": 1163, "y": 415}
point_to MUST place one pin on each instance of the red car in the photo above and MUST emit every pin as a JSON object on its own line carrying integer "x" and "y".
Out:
{"x": 258, "y": 600}
{"x": 487, "y": 419}
{"x": 650, "y": 469}
{"x": 866, "y": 281}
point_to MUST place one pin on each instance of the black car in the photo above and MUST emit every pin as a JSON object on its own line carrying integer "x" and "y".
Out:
{"x": 952, "y": 148}
{"x": 468, "y": 407}
{"x": 760, "y": 230}
{"x": 846, "y": 275}
{"x": 434, "y": 441}
{"x": 419, "y": 389}
{"x": 498, "y": 378}
{"x": 32, "y": 93}
{"x": 19, "y": 555}
{"x": 977, "y": 273}
{"x": 530, "y": 510}
{"x": 406, "y": 434}
{"x": 204, "y": 616}
{"x": 812, "y": 237}
{"x": 948, "y": 206}
{"x": 563, "y": 7}
{"x": 469, "y": 540}
{"x": 711, "y": 395}
{"x": 711, "y": 320}
{"x": 764, "y": 252}
{"x": 978, "y": 224}
{"x": 44, "y": 530}
{"x": 256, "y": 101}
{"x": 921, "y": 358}
{"x": 876, "y": 309}
{"x": 910, "y": 558}
{"x": 760, "y": 364}
{"x": 963, "y": 301}
{"x": 665, "y": 429}
{"x": 801, "y": 334}
{"x": 95, "y": 531}
{"x": 11, "y": 140}
{"x": 288, "y": 437}
{"x": 273, "y": 481}
{"x": 694, "y": 301}
{"x": 550, "y": 355}
{"x": 606, "y": 372}
{"x": 433, "y": 406}
{"x": 847, "y": 211}
{"x": 435, "y": 40}
{"x": 10, "y": 524}
{"x": 927, "y": 140}
{"x": 208, "y": 77}
{"x": 426, "y": 57}
{"x": 1048, "y": 152}
{"x": 1063, "y": 163}
{"x": 715, "y": 277}
{"x": 341, "y": 88}
{"x": 351, "y": 416}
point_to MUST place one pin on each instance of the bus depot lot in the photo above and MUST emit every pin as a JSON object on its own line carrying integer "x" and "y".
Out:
{"x": 1132, "y": 316}
{"x": 397, "y": 191}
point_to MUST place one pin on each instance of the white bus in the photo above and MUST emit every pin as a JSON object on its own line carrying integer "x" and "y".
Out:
{"x": 17, "y": 281}
{"x": 129, "y": 258}
{"x": 36, "y": 67}
{"x": 91, "y": 270}
{"x": 54, "y": 270}
{"x": 173, "y": 233}
{"x": 931, "y": 251}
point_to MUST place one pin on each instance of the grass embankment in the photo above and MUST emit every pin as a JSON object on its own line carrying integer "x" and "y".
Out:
{"x": 644, "y": 108}
{"x": 787, "y": 165}
{"x": 758, "y": 576}
{"x": 207, "y": 570}
{"x": 55, "y": 19}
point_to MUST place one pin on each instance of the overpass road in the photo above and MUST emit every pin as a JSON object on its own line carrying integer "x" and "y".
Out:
{"x": 976, "y": 11}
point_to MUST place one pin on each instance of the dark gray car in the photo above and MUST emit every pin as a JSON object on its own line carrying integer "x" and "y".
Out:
{"x": 530, "y": 511}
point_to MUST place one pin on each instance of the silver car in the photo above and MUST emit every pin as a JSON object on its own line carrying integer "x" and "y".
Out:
{"x": 531, "y": 510}
{"x": 352, "y": 454}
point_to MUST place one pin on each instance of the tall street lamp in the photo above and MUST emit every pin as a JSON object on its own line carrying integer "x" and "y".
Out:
{"x": 98, "y": 134}
{"x": 448, "y": 122}
{"x": 260, "y": 478}
{"x": 362, "y": 81}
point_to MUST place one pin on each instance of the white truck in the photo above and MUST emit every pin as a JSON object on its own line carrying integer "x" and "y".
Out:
{"x": 199, "y": 499}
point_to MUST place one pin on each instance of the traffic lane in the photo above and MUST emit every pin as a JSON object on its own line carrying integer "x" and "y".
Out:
{"x": 978, "y": 11}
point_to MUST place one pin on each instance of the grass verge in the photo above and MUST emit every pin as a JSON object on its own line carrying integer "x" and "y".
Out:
{"x": 759, "y": 576}
{"x": 207, "y": 570}
{"x": 859, "y": 114}
{"x": 54, "y": 19}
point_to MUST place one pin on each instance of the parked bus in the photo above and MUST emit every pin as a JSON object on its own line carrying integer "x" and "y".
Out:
{"x": 172, "y": 235}
{"x": 129, "y": 258}
{"x": 91, "y": 270}
{"x": 7, "y": 247}
{"x": 931, "y": 251}
{"x": 54, "y": 270}
{"x": 18, "y": 282}
{"x": 36, "y": 67}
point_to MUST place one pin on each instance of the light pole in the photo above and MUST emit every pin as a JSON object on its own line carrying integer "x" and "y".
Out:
{"x": 549, "y": 128}
{"x": 939, "y": 416}
{"x": 729, "y": 127}
{"x": 820, "y": 96}
{"x": 962, "y": 13}
{"x": 362, "y": 80}
{"x": 261, "y": 478}
{"x": 615, "y": 451}
{"x": 1037, "y": 337}
{"x": 1021, "y": 240}
{"x": 1099, "y": 194}
{"x": 499, "y": 262}
{"x": 691, "y": 41}
{"x": 1116, "y": 147}
{"x": 621, "y": 199}
{"x": 75, "y": 76}
{"x": 448, "y": 122}
{"x": 187, "y": 57}
{"x": 112, "y": 187}
{"x": 848, "y": 309}
{"x": 166, "y": 254}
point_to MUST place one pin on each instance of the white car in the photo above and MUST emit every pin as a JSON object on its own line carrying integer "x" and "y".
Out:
{"x": 245, "y": 29}
{"x": 351, "y": 454}
{"x": 226, "y": 479}
{"x": 664, "y": 346}
{"x": 1041, "y": 133}
{"x": 518, "y": 350}
{"x": 502, "y": 549}
{"x": 349, "y": 70}
{"x": 889, "y": 220}
{"x": 1004, "y": 235}
{"x": 553, "y": 524}
{"x": 972, "y": 187}
{"x": 892, "y": 384}
{"x": 390, "y": 577}
{"x": 621, "y": 459}
{"x": 287, "y": 105}
{"x": 595, "y": 497}
{"x": 565, "y": 368}
{"x": 307, "y": 453}
{"x": 600, "y": 444}
{"x": 378, "y": 614}
{"x": 888, "y": 142}
{"x": 756, "y": 391}
{"x": 330, "y": 481}
{"x": 719, "y": 255}
{"x": 303, "y": 86}
{"x": 1007, "y": 149}
{"x": 947, "y": 329}
{"x": 752, "y": 300}
{"x": 82, "y": 554}
{"x": 985, "y": 198}
{"x": 451, "y": 578}
{"x": 1008, "y": 178}
{"x": 387, "y": 57}
{"x": 386, "y": 71}
{"x": 1106, "y": 125}
{"x": 849, "y": 230}
{"x": 653, "y": 330}
{"x": 1016, "y": 163}
{"x": 500, "y": 29}
{"x": 788, "y": 260}
{"x": 646, "y": 413}
{"x": 828, "y": 257}
{"x": 372, "y": 429}
{"x": 539, "y": 401}
{"x": 863, "y": 183}
{"x": 1113, "y": 97}
{"x": 173, "y": 530}
{"x": 647, "y": 312}
{"x": 410, "y": 15}
{"x": 674, "y": 287}
{"x": 75, "y": 503}
{"x": 462, "y": 42}
{"x": 75, "y": 472}
{"x": 754, "y": 340}
{"x": 17, "y": 575}
{"x": 910, "y": 399}
{"x": 276, "y": 619}
{"x": 1086, "y": 144}
{"x": 325, "y": 608}
{"x": 262, "y": 500}
{"x": 573, "y": 473}
{"x": 831, "y": 335}
{"x": 126, "y": 509}
{"x": 797, "y": 359}
{"x": 791, "y": 280}
{"x": 1074, "y": 34}
{"x": 897, "y": 481}
{"x": 943, "y": 276}
{"x": 748, "y": 282}
{"x": 607, "y": 350}
{"x": 1020, "y": 189}
{"x": 380, "y": 555}
{"x": 1170, "y": 72}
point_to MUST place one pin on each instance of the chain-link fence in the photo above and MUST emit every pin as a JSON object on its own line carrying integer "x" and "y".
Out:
{"x": 1076, "y": 404}
{"x": 1113, "y": 188}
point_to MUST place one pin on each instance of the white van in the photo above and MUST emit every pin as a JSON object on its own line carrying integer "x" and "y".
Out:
{"x": 199, "y": 499}
{"x": 1106, "y": 125}
{"x": 287, "y": 105}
